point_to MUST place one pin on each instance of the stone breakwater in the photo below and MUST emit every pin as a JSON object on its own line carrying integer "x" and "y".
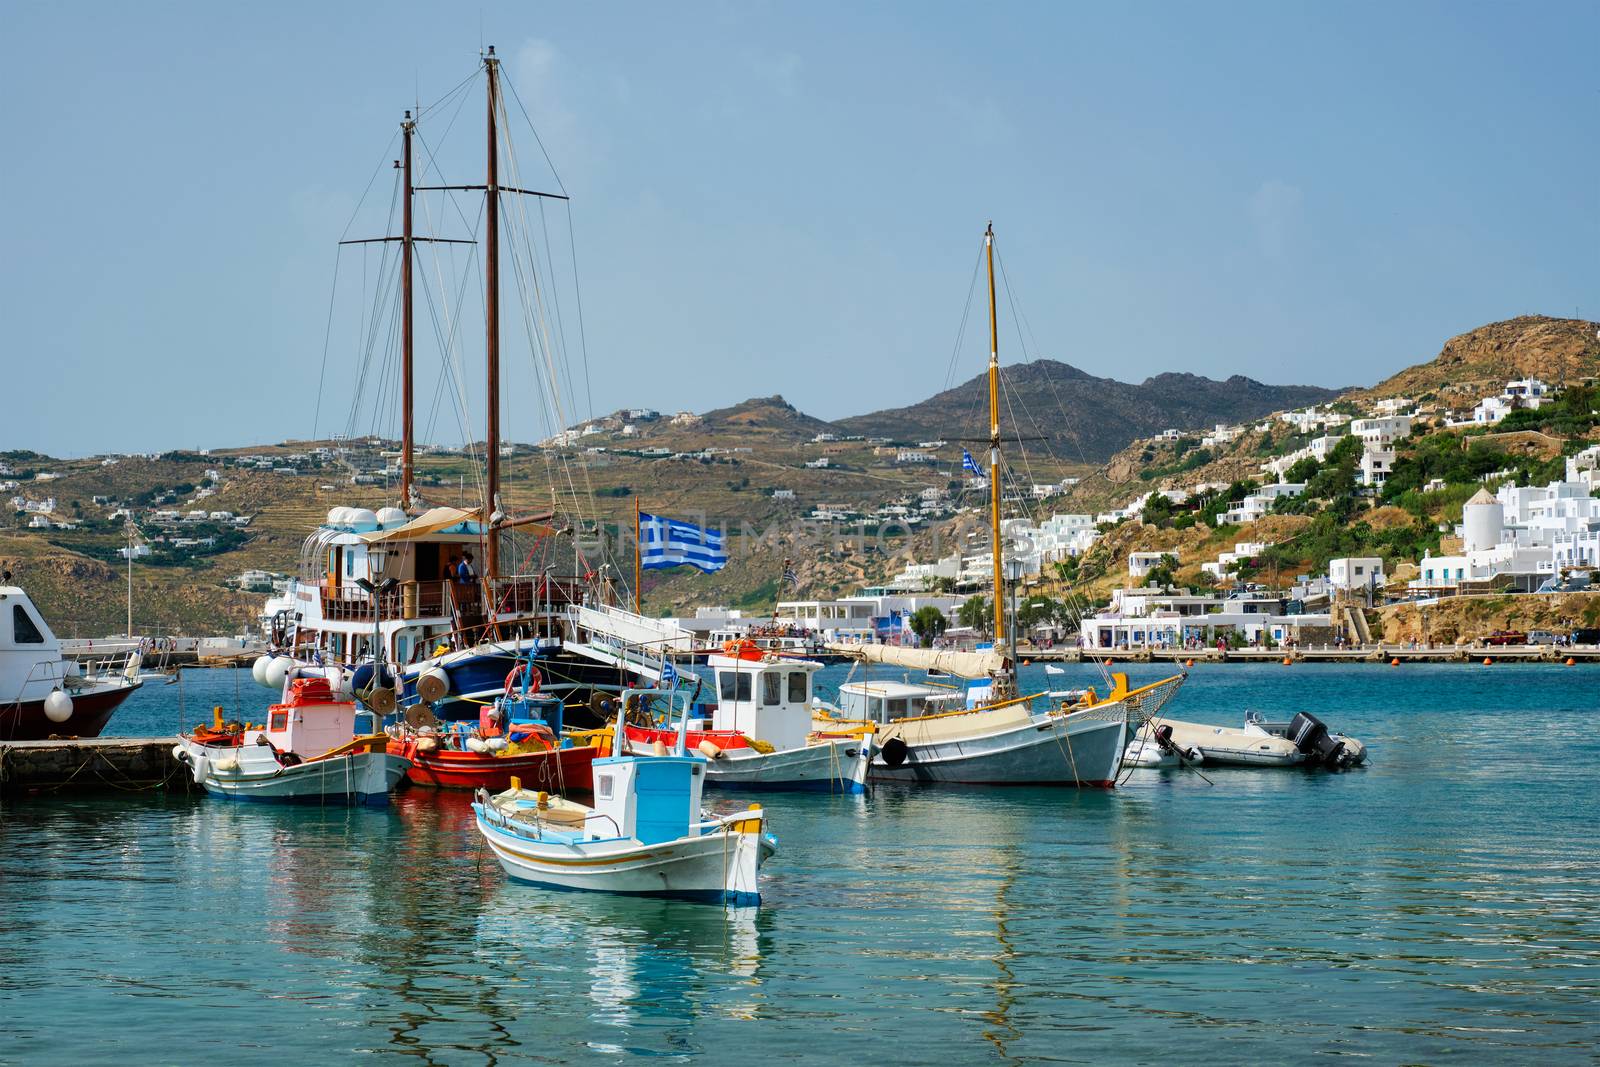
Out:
{"x": 90, "y": 764}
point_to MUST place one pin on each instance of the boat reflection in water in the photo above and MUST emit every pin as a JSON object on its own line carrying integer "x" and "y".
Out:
{"x": 647, "y": 959}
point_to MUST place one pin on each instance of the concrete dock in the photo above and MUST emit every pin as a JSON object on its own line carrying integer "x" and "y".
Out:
{"x": 1377, "y": 654}
{"x": 91, "y": 764}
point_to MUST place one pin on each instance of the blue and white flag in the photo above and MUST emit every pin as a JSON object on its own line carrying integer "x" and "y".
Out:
{"x": 968, "y": 465}
{"x": 665, "y": 542}
{"x": 669, "y": 675}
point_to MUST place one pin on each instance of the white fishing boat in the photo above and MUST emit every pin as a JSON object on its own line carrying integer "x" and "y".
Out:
{"x": 645, "y": 834}
{"x": 307, "y": 752}
{"x": 761, "y": 734}
{"x": 1303, "y": 740}
{"x": 1001, "y": 736}
{"x": 44, "y": 691}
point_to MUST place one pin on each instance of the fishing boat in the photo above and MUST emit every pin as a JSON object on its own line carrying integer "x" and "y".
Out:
{"x": 999, "y": 736}
{"x": 42, "y": 691}
{"x": 1303, "y": 740}
{"x": 761, "y": 734}
{"x": 514, "y": 737}
{"x": 307, "y": 752}
{"x": 645, "y": 834}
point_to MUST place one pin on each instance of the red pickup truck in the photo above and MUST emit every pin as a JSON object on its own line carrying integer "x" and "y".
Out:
{"x": 1507, "y": 637}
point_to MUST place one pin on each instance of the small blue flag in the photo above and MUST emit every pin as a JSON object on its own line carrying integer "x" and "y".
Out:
{"x": 968, "y": 465}
{"x": 669, "y": 675}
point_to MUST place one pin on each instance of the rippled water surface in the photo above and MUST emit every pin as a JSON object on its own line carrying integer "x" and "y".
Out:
{"x": 1440, "y": 904}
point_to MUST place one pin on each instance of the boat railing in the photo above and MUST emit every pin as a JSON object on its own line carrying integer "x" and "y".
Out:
{"x": 525, "y": 594}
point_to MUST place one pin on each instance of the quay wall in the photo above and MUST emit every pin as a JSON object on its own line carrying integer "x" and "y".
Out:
{"x": 91, "y": 764}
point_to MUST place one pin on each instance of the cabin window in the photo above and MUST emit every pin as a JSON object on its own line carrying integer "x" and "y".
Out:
{"x": 725, "y": 684}
{"x": 735, "y": 685}
{"x": 23, "y": 631}
{"x": 897, "y": 707}
{"x": 917, "y": 706}
{"x": 602, "y": 786}
{"x": 877, "y": 707}
{"x": 278, "y": 720}
{"x": 797, "y": 687}
{"x": 771, "y": 688}
{"x": 745, "y": 685}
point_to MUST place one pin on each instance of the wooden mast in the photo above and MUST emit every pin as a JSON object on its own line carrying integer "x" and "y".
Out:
{"x": 638, "y": 563}
{"x": 491, "y": 218}
{"x": 994, "y": 451}
{"x": 407, "y": 441}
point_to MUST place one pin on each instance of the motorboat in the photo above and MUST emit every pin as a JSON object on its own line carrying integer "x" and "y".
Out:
{"x": 514, "y": 737}
{"x": 1303, "y": 740}
{"x": 645, "y": 833}
{"x": 44, "y": 692}
{"x": 761, "y": 734}
{"x": 308, "y": 752}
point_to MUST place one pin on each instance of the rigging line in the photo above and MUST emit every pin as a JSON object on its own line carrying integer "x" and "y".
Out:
{"x": 583, "y": 340}
{"x": 327, "y": 337}
{"x": 537, "y": 139}
{"x": 371, "y": 327}
{"x": 423, "y": 109}
{"x": 555, "y": 295}
{"x": 966, "y": 312}
{"x": 388, "y": 156}
{"x": 449, "y": 340}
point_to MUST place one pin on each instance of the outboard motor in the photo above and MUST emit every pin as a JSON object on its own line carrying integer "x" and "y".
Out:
{"x": 1312, "y": 738}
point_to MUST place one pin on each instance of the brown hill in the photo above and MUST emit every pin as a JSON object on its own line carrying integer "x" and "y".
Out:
{"x": 1475, "y": 362}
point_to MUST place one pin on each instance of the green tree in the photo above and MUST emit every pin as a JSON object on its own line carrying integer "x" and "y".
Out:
{"x": 975, "y": 614}
{"x": 1164, "y": 572}
{"x": 1303, "y": 470}
{"x": 928, "y": 622}
{"x": 1157, "y": 510}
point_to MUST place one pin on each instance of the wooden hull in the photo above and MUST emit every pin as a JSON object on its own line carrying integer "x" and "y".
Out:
{"x": 555, "y": 771}
{"x": 995, "y": 748}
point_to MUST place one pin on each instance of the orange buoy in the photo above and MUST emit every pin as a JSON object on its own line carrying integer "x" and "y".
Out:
{"x": 1287, "y": 661}
{"x": 1395, "y": 662}
{"x": 1188, "y": 663}
{"x": 1487, "y": 662}
{"x": 1571, "y": 662}
{"x": 1027, "y": 663}
{"x": 1108, "y": 661}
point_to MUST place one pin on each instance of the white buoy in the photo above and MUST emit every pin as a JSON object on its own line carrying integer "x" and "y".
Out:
{"x": 258, "y": 669}
{"x": 495, "y": 744}
{"x": 178, "y": 752}
{"x": 226, "y": 765}
{"x": 277, "y": 671}
{"x": 57, "y": 706}
{"x": 476, "y": 744}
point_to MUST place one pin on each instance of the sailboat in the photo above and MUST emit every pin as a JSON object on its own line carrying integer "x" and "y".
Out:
{"x": 1000, "y": 737}
{"x": 382, "y": 589}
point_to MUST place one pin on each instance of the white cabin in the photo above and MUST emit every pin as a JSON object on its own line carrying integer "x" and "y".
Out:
{"x": 30, "y": 656}
{"x": 310, "y": 721}
{"x": 885, "y": 702}
{"x": 767, "y": 698}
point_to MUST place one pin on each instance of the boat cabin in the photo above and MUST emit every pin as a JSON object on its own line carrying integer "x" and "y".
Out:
{"x": 762, "y": 695}
{"x": 310, "y": 720}
{"x": 884, "y": 702}
{"x": 649, "y": 798}
{"x": 30, "y": 656}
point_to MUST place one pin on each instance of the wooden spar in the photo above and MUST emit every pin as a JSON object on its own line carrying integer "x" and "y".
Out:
{"x": 491, "y": 220}
{"x": 407, "y": 442}
{"x": 994, "y": 451}
{"x": 638, "y": 563}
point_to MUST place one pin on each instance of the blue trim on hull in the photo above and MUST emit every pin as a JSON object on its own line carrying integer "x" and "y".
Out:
{"x": 826, "y": 785}
{"x": 708, "y": 896}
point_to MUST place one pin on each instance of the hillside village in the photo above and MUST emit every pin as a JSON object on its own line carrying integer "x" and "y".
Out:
{"x": 1472, "y": 474}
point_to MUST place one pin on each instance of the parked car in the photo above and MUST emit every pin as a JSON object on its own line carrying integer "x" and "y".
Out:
{"x": 1542, "y": 637}
{"x": 1507, "y": 637}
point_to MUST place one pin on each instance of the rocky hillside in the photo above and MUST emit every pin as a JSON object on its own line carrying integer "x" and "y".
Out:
{"x": 1470, "y": 363}
{"x": 1083, "y": 417}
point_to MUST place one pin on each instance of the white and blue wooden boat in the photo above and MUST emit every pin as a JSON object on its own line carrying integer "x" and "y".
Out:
{"x": 645, "y": 834}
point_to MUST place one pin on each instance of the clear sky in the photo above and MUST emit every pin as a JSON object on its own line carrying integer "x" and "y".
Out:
{"x": 788, "y": 198}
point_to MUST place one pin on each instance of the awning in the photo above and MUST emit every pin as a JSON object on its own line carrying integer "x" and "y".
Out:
{"x": 429, "y": 522}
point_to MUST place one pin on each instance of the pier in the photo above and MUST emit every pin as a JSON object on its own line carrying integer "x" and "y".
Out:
{"x": 90, "y": 764}
{"x": 1376, "y": 654}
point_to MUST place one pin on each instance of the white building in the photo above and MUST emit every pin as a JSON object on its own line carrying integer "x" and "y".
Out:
{"x": 865, "y": 618}
{"x": 1242, "y": 550}
{"x": 1523, "y": 393}
{"x": 1259, "y": 503}
{"x": 1141, "y": 564}
{"x": 1523, "y": 534}
{"x": 1356, "y": 572}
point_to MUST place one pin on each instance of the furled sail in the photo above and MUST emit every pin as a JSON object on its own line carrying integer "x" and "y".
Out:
{"x": 962, "y": 664}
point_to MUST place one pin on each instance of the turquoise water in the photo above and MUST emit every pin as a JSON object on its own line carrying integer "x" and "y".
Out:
{"x": 1440, "y": 904}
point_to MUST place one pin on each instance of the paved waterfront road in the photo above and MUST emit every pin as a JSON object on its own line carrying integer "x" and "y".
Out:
{"x": 1440, "y": 905}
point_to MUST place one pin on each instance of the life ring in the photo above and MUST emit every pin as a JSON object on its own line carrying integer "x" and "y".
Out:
{"x": 535, "y": 679}
{"x": 894, "y": 752}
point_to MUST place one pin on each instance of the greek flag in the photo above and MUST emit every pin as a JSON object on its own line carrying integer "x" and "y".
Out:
{"x": 789, "y": 575}
{"x": 968, "y": 465}
{"x": 665, "y": 542}
{"x": 669, "y": 675}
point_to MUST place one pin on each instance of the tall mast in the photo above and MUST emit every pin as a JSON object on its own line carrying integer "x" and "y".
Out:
{"x": 491, "y": 218}
{"x": 407, "y": 442}
{"x": 994, "y": 450}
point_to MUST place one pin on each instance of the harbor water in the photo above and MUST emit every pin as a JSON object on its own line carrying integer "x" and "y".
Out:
{"x": 1439, "y": 904}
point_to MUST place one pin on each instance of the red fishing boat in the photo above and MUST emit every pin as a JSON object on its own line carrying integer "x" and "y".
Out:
{"x": 502, "y": 745}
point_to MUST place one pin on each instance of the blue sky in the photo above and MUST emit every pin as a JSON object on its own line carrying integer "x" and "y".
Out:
{"x": 787, "y": 198}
